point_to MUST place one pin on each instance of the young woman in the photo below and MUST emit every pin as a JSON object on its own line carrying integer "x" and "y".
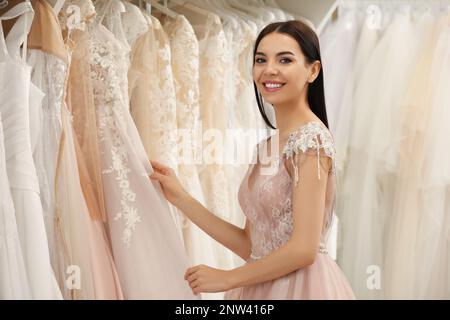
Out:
{"x": 289, "y": 211}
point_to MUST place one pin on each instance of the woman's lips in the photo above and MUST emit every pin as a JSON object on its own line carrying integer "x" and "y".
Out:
{"x": 273, "y": 86}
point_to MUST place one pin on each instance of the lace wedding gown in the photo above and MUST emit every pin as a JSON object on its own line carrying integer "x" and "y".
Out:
{"x": 148, "y": 251}
{"x": 212, "y": 73}
{"x": 266, "y": 198}
{"x": 215, "y": 97}
{"x": 74, "y": 17}
{"x": 13, "y": 275}
{"x": 432, "y": 252}
{"x": 369, "y": 182}
{"x": 15, "y": 109}
{"x": 76, "y": 239}
{"x": 368, "y": 39}
{"x": 184, "y": 47}
{"x": 157, "y": 126}
{"x": 152, "y": 102}
{"x": 400, "y": 263}
{"x": 48, "y": 60}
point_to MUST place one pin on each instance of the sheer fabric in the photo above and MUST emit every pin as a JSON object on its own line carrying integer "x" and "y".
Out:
{"x": 13, "y": 275}
{"x": 400, "y": 265}
{"x": 148, "y": 251}
{"x": 80, "y": 101}
{"x": 77, "y": 240}
{"x": 23, "y": 180}
{"x": 185, "y": 66}
{"x": 369, "y": 183}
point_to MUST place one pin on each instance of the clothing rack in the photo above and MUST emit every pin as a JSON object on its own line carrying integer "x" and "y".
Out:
{"x": 334, "y": 9}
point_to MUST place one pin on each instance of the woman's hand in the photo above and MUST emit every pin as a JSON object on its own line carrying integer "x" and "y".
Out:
{"x": 202, "y": 278}
{"x": 171, "y": 186}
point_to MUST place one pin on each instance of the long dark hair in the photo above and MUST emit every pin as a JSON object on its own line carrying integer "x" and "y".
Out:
{"x": 309, "y": 45}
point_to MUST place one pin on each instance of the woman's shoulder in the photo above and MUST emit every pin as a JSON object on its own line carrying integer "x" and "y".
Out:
{"x": 311, "y": 139}
{"x": 312, "y": 136}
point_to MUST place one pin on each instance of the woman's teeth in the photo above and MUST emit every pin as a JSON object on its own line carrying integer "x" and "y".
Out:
{"x": 273, "y": 85}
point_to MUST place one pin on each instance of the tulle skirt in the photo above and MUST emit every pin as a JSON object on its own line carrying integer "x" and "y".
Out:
{"x": 322, "y": 280}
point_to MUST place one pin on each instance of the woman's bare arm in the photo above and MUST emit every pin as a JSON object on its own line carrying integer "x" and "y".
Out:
{"x": 234, "y": 238}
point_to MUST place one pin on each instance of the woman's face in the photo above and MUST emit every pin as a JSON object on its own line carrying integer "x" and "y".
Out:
{"x": 280, "y": 70}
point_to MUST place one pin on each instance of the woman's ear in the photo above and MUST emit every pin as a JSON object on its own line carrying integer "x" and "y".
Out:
{"x": 315, "y": 69}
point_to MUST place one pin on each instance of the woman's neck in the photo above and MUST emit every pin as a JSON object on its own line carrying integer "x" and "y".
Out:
{"x": 290, "y": 116}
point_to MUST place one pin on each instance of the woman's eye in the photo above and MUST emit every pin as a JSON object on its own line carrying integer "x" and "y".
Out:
{"x": 285, "y": 60}
{"x": 259, "y": 60}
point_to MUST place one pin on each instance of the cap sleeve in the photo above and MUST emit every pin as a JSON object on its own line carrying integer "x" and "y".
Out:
{"x": 312, "y": 139}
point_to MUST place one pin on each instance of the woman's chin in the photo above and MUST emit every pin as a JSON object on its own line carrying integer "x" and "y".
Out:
{"x": 273, "y": 101}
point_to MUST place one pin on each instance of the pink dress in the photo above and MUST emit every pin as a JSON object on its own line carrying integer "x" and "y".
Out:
{"x": 266, "y": 198}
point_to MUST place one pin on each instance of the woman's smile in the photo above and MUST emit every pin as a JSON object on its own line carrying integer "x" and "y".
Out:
{"x": 272, "y": 86}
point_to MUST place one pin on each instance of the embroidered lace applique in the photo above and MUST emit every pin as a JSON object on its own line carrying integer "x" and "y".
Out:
{"x": 110, "y": 104}
{"x": 311, "y": 136}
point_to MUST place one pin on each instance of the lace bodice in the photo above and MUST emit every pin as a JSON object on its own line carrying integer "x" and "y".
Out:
{"x": 213, "y": 69}
{"x": 267, "y": 199}
{"x": 161, "y": 143}
{"x": 109, "y": 13}
{"x": 133, "y": 22}
{"x": 185, "y": 65}
{"x": 214, "y": 58}
{"x": 106, "y": 53}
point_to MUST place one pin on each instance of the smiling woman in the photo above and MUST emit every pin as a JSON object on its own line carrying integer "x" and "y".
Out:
{"x": 289, "y": 210}
{"x": 297, "y": 70}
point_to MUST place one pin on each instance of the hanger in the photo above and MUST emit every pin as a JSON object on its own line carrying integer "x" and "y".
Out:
{"x": 162, "y": 8}
{"x": 57, "y": 5}
{"x": 5, "y": 5}
{"x": 143, "y": 6}
{"x": 19, "y": 9}
{"x": 258, "y": 6}
{"x": 248, "y": 10}
{"x": 222, "y": 13}
{"x": 16, "y": 9}
{"x": 221, "y": 4}
{"x": 272, "y": 3}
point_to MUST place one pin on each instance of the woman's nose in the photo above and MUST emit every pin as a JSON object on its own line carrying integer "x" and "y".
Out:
{"x": 270, "y": 69}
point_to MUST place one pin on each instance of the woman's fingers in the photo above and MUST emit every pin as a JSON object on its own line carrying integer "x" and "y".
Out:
{"x": 192, "y": 277}
{"x": 194, "y": 284}
{"x": 158, "y": 165}
{"x": 157, "y": 176}
{"x": 190, "y": 271}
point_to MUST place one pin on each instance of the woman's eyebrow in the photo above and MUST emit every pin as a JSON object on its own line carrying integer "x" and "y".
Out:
{"x": 278, "y": 54}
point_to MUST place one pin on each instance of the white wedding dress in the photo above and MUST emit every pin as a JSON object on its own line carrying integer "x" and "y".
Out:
{"x": 369, "y": 183}
{"x": 432, "y": 256}
{"x": 366, "y": 42}
{"x": 213, "y": 176}
{"x": 148, "y": 251}
{"x": 338, "y": 43}
{"x": 13, "y": 276}
{"x": 184, "y": 47}
{"x": 49, "y": 70}
{"x": 21, "y": 171}
{"x": 400, "y": 265}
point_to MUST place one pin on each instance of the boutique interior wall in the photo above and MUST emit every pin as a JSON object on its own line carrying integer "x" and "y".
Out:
{"x": 314, "y": 10}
